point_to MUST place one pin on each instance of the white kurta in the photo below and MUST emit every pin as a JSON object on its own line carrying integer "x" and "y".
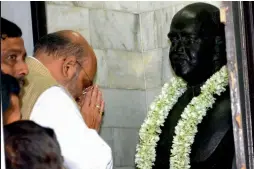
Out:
{"x": 82, "y": 148}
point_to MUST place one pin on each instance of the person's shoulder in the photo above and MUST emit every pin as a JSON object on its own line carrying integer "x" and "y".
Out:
{"x": 55, "y": 90}
{"x": 56, "y": 99}
{"x": 55, "y": 94}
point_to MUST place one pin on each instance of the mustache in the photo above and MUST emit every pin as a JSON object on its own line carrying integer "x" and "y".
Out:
{"x": 21, "y": 78}
{"x": 21, "y": 81}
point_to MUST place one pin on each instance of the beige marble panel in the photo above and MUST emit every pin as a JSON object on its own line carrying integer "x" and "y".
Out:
{"x": 146, "y": 6}
{"x": 125, "y": 141}
{"x": 127, "y": 6}
{"x": 70, "y": 3}
{"x": 163, "y": 18}
{"x": 153, "y": 68}
{"x": 89, "y": 4}
{"x": 114, "y": 30}
{"x": 131, "y": 70}
{"x": 125, "y": 69}
{"x": 149, "y": 38}
{"x": 66, "y": 17}
{"x": 124, "y": 108}
{"x": 102, "y": 69}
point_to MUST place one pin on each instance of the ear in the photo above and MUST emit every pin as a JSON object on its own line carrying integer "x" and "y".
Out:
{"x": 69, "y": 67}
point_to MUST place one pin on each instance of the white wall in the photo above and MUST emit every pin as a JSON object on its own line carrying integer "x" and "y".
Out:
{"x": 19, "y": 12}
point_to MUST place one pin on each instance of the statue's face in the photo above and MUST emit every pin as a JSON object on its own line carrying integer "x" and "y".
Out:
{"x": 191, "y": 48}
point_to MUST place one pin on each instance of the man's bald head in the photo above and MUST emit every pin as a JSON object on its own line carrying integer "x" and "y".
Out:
{"x": 73, "y": 36}
{"x": 63, "y": 44}
{"x": 69, "y": 58}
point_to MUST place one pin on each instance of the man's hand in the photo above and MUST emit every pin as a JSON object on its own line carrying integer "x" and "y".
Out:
{"x": 91, "y": 107}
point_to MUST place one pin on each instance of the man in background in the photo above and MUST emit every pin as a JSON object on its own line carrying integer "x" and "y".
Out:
{"x": 62, "y": 72}
{"x": 13, "y": 51}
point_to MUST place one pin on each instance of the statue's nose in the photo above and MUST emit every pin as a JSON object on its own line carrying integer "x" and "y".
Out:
{"x": 179, "y": 48}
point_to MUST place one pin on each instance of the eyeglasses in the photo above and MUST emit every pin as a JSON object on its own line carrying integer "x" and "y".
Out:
{"x": 90, "y": 81}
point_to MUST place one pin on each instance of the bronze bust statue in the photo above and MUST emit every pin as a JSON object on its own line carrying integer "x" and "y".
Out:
{"x": 197, "y": 51}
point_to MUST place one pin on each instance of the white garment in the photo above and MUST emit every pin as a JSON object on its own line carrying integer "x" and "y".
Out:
{"x": 82, "y": 148}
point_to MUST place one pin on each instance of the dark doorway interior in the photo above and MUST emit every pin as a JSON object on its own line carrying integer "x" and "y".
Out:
{"x": 39, "y": 21}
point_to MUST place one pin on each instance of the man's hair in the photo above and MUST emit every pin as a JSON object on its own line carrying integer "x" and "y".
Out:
{"x": 9, "y": 85}
{"x": 9, "y": 29}
{"x": 31, "y": 146}
{"x": 57, "y": 45}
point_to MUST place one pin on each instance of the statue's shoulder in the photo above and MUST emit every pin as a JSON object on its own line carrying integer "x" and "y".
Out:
{"x": 222, "y": 108}
{"x": 221, "y": 111}
{"x": 214, "y": 128}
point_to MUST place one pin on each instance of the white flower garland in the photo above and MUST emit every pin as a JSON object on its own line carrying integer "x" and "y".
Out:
{"x": 156, "y": 116}
{"x": 186, "y": 128}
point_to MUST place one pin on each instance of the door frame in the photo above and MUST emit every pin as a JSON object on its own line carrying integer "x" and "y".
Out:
{"x": 240, "y": 56}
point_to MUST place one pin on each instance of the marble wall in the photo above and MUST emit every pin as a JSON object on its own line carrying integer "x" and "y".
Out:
{"x": 131, "y": 45}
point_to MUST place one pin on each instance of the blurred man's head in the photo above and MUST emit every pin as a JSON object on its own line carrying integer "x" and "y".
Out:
{"x": 69, "y": 58}
{"x": 13, "y": 51}
{"x": 10, "y": 99}
{"x": 30, "y": 146}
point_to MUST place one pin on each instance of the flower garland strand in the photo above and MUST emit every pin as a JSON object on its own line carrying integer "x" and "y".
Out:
{"x": 192, "y": 115}
{"x": 186, "y": 128}
{"x": 156, "y": 116}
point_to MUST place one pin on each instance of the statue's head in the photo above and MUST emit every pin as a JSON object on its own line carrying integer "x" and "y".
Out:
{"x": 197, "y": 42}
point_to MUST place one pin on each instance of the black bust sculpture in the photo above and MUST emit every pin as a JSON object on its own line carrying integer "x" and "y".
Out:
{"x": 197, "y": 51}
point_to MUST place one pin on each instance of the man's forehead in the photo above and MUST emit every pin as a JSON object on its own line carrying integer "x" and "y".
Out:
{"x": 14, "y": 41}
{"x": 13, "y": 44}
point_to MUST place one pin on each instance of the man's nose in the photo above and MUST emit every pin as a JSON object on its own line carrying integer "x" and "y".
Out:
{"x": 23, "y": 69}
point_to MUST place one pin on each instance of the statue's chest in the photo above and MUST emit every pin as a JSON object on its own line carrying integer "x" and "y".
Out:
{"x": 174, "y": 116}
{"x": 219, "y": 115}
